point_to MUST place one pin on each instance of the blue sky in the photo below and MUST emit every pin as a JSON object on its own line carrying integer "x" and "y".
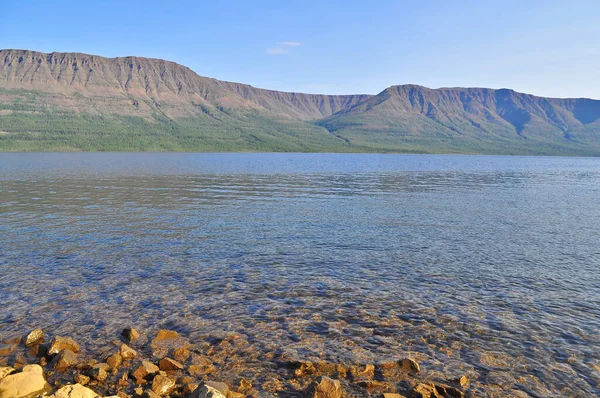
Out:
{"x": 549, "y": 48}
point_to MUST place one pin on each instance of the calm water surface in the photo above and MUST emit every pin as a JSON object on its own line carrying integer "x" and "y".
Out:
{"x": 483, "y": 264}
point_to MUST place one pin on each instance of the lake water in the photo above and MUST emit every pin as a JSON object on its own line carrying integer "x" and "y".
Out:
{"x": 484, "y": 265}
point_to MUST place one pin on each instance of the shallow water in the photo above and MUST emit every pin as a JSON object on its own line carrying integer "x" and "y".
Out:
{"x": 479, "y": 264}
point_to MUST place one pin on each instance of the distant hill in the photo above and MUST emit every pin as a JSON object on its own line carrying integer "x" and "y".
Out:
{"x": 71, "y": 101}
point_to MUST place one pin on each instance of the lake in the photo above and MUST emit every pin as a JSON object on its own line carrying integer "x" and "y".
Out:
{"x": 482, "y": 265}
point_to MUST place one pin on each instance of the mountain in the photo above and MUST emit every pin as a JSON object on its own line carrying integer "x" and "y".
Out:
{"x": 72, "y": 101}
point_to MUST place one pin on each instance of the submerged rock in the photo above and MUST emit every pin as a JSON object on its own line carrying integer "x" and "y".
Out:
{"x": 7, "y": 349}
{"x": 60, "y": 343}
{"x": 410, "y": 365}
{"x": 29, "y": 382}
{"x": 34, "y": 337}
{"x": 324, "y": 387}
{"x": 127, "y": 352}
{"x": 115, "y": 360}
{"x": 99, "y": 371}
{"x": 65, "y": 360}
{"x": 130, "y": 334}
{"x": 164, "y": 334}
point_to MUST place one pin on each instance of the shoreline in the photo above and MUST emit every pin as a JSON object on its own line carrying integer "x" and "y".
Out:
{"x": 166, "y": 364}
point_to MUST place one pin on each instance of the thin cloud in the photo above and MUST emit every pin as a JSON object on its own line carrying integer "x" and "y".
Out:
{"x": 283, "y": 47}
{"x": 289, "y": 43}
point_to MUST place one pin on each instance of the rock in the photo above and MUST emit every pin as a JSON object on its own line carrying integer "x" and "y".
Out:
{"x": 189, "y": 388}
{"x": 245, "y": 386}
{"x": 99, "y": 372}
{"x": 211, "y": 389}
{"x": 7, "y": 349}
{"x": 130, "y": 334}
{"x": 410, "y": 365}
{"x": 162, "y": 385}
{"x": 375, "y": 385}
{"x": 304, "y": 368}
{"x": 5, "y": 371}
{"x": 448, "y": 391}
{"x": 81, "y": 379}
{"x": 164, "y": 334}
{"x": 422, "y": 390}
{"x": 324, "y": 387}
{"x": 392, "y": 395}
{"x": 145, "y": 371}
{"x": 181, "y": 354}
{"x": 27, "y": 383}
{"x": 115, "y": 360}
{"x": 169, "y": 364}
{"x": 150, "y": 394}
{"x": 59, "y": 344}
{"x": 34, "y": 337}
{"x": 461, "y": 381}
{"x": 74, "y": 391}
{"x": 127, "y": 352}
{"x": 65, "y": 360}
{"x": 366, "y": 371}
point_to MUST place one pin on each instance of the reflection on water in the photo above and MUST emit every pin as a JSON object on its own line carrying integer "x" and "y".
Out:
{"x": 484, "y": 264}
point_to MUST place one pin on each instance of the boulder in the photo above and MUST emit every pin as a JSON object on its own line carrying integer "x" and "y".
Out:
{"x": 324, "y": 387}
{"x": 410, "y": 365}
{"x": 34, "y": 337}
{"x": 65, "y": 360}
{"x": 162, "y": 385}
{"x": 74, "y": 391}
{"x": 60, "y": 343}
{"x": 169, "y": 364}
{"x": 130, "y": 334}
{"x": 29, "y": 382}
{"x": 127, "y": 352}
{"x": 145, "y": 371}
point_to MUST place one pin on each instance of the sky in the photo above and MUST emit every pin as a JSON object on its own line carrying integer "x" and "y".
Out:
{"x": 548, "y": 48}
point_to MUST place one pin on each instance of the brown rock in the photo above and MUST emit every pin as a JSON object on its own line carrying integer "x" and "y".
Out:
{"x": 162, "y": 385}
{"x": 164, "y": 334}
{"x": 7, "y": 349}
{"x": 34, "y": 337}
{"x": 81, "y": 379}
{"x": 65, "y": 360}
{"x": 127, "y": 352}
{"x": 211, "y": 389}
{"x": 115, "y": 360}
{"x": 189, "y": 388}
{"x": 245, "y": 386}
{"x": 448, "y": 391}
{"x": 145, "y": 371}
{"x": 29, "y": 382}
{"x": 304, "y": 368}
{"x": 410, "y": 365}
{"x": 392, "y": 395}
{"x": 422, "y": 390}
{"x": 181, "y": 354}
{"x": 324, "y": 387}
{"x": 169, "y": 364}
{"x": 150, "y": 394}
{"x": 375, "y": 385}
{"x": 99, "y": 372}
{"x": 130, "y": 334}
{"x": 461, "y": 381}
{"x": 62, "y": 343}
{"x": 363, "y": 372}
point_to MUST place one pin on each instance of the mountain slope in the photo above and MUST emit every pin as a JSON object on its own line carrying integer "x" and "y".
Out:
{"x": 72, "y": 101}
{"x": 471, "y": 120}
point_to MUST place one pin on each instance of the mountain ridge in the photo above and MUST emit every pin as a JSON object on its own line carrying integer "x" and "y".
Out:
{"x": 57, "y": 100}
